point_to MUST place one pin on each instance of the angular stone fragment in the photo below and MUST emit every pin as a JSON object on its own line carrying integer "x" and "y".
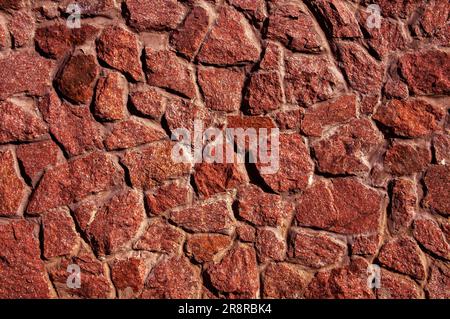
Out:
{"x": 131, "y": 133}
{"x": 406, "y": 159}
{"x": 111, "y": 97}
{"x": 147, "y": 15}
{"x": 21, "y": 28}
{"x": 284, "y": 281}
{"x": 264, "y": 93}
{"x": 364, "y": 73}
{"x": 403, "y": 204}
{"x": 166, "y": 70}
{"x": 430, "y": 236}
{"x": 119, "y": 49}
{"x": 438, "y": 286}
{"x": 437, "y": 182}
{"x": 209, "y": 217}
{"x": 271, "y": 60}
{"x": 167, "y": 197}
{"x": 160, "y": 236}
{"x": 432, "y": 26}
{"x": 4, "y": 37}
{"x": 153, "y": 164}
{"x": 22, "y": 272}
{"x": 173, "y": 278}
{"x": 246, "y": 233}
{"x": 222, "y": 88}
{"x": 12, "y": 187}
{"x": 338, "y": 111}
{"x": 395, "y": 8}
{"x": 246, "y": 122}
{"x": 35, "y": 157}
{"x": 403, "y": 255}
{"x": 441, "y": 147}
{"x": 188, "y": 38}
{"x": 106, "y": 8}
{"x": 395, "y": 89}
{"x": 394, "y": 286}
{"x": 76, "y": 80}
{"x": 270, "y": 245}
{"x": 426, "y": 72}
{"x": 310, "y": 79}
{"x": 344, "y": 206}
{"x": 410, "y": 118}
{"x": 19, "y": 125}
{"x": 74, "y": 180}
{"x": 24, "y": 72}
{"x": 230, "y": 41}
{"x": 346, "y": 151}
{"x": 289, "y": 120}
{"x": 59, "y": 235}
{"x": 182, "y": 114}
{"x": 203, "y": 247}
{"x": 291, "y": 24}
{"x": 237, "y": 273}
{"x": 149, "y": 102}
{"x": 365, "y": 244}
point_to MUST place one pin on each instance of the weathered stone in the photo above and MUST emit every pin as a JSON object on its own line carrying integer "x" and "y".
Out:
{"x": 222, "y": 88}
{"x": 291, "y": 24}
{"x": 59, "y": 235}
{"x": 4, "y": 37}
{"x": 432, "y": 26}
{"x": 246, "y": 233}
{"x": 403, "y": 204}
{"x": 255, "y": 9}
{"x": 188, "y": 38}
{"x": 116, "y": 222}
{"x": 203, "y": 247}
{"x": 406, "y": 159}
{"x": 438, "y": 286}
{"x": 209, "y": 217}
{"x": 343, "y": 205}
{"x": 35, "y": 157}
{"x": 173, "y": 278}
{"x": 24, "y": 72}
{"x": 289, "y": 119}
{"x": 264, "y": 93}
{"x": 88, "y": 8}
{"x": 76, "y": 80}
{"x": 314, "y": 249}
{"x": 74, "y": 180}
{"x": 364, "y": 73}
{"x": 365, "y": 244}
{"x": 246, "y": 122}
{"x": 166, "y": 70}
{"x": 338, "y": 111}
{"x": 395, "y": 89}
{"x": 149, "y": 102}
{"x": 21, "y": 27}
{"x": 12, "y": 187}
{"x": 73, "y": 126}
{"x": 441, "y": 147}
{"x": 260, "y": 208}
{"x": 22, "y": 272}
{"x": 437, "y": 182}
{"x": 369, "y": 103}
{"x": 403, "y": 255}
{"x": 160, "y": 236}
{"x": 111, "y": 97}
{"x": 131, "y": 133}
{"x": 409, "y": 118}
{"x": 183, "y": 114}
{"x": 230, "y": 41}
{"x": 19, "y": 125}
{"x": 346, "y": 151}
{"x": 270, "y": 245}
{"x": 395, "y": 8}
{"x": 167, "y": 197}
{"x": 284, "y": 281}
{"x": 146, "y": 15}
{"x": 426, "y": 72}
{"x": 430, "y": 236}
{"x": 394, "y": 286}
{"x": 271, "y": 60}
{"x": 153, "y": 164}
{"x": 119, "y": 49}
{"x": 237, "y": 273}
{"x": 310, "y": 79}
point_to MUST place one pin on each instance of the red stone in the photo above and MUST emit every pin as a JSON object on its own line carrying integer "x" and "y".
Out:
{"x": 394, "y": 286}
{"x": 271, "y": 60}
{"x": 182, "y": 114}
{"x": 35, "y": 157}
{"x": 395, "y": 8}
{"x": 166, "y": 70}
{"x": 4, "y": 37}
{"x": 204, "y": 247}
{"x": 270, "y": 245}
{"x": 12, "y": 187}
{"x": 284, "y": 281}
{"x": 410, "y": 118}
{"x": 131, "y": 133}
{"x": 160, "y": 236}
{"x": 111, "y": 97}
{"x": 395, "y": 89}
{"x": 246, "y": 122}
{"x": 316, "y": 119}
{"x": 237, "y": 273}
{"x": 173, "y": 278}
{"x": 221, "y": 88}
{"x": 119, "y": 49}
{"x": 264, "y": 93}
{"x": 438, "y": 286}
{"x": 403, "y": 204}
{"x": 149, "y": 102}
{"x": 21, "y": 27}
{"x": 430, "y": 25}
{"x": 406, "y": 159}
{"x": 59, "y": 235}
{"x": 291, "y": 24}
{"x": 437, "y": 182}
{"x": 310, "y": 79}
{"x": 167, "y": 197}
{"x": 230, "y": 41}
{"x": 403, "y": 255}
{"x": 74, "y": 180}
{"x": 343, "y": 205}
{"x": 22, "y": 272}
{"x": 246, "y": 233}
{"x": 289, "y": 119}
{"x": 106, "y": 8}
{"x": 430, "y": 236}
{"x": 76, "y": 80}
{"x": 209, "y": 217}
{"x": 255, "y": 9}
{"x": 146, "y": 15}
{"x": 441, "y": 147}
{"x": 365, "y": 244}
{"x": 314, "y": 249}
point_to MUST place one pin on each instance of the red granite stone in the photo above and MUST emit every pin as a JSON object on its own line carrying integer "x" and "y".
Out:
{"x": 246, "y": 233}
{"x": 441, "y": 147}
{"x": 438, "y": 285}
{"x": 406, "y": 159}
{"x": 264, "y": 93}
{"x": 270, "y": 245}
{"x": 167, "y": 197}
{"x": 149, "y": 102}
{"x": 429, "y": 235}
{"x": 284, "y": 281}
{"x": 160, "y": 236}
{"x": 36, "y": 157}
{"x": 403, "y": 204}
{"x": 12, "y": 187}
{"x": 289, "y": 119}
{"x": 394, "y": 286}
{"x": 437, "y": 183}
{"x": 21, "y": 27}
{"x": 204, "y": 247}
{"x": 365, "y": 244}
{"x": 89, "y": 8}
{"x": 111, "y": 96}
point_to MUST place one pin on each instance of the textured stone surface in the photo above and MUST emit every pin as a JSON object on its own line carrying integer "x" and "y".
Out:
{"x": 21, "y": 28}
{"x": 441, "y": 147}
{"x": 111, "y": 97}
{"x": 149, "y": 102}
{"x": 12, "y": 187}
{"x": 270, "y": 245}
{"x": 167, "y": 197}
{"x": 203, "y": 247}
{"x": 394, "y": 286}
{"x": 439, "y": 281}
{"x": 35, "y": 157}
{"x": 406, "y": 159}
{"x": 437, "y": 182}
{"x": 404, "y": 202}
{"x": 284, "y": 280}
{"x": 264, "y": 93}
{"x": 429, "y": 235}
{"x": 160, "y": 236}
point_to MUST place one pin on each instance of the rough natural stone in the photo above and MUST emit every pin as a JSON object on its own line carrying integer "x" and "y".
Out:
{"x": 255, "y": 9}
{"x": 396, "y": 89}
{"x": 119, "y": 49}
{"x": 160, "y": 236}
{"x": 21, "y": 28}
{"x": 284, "y": 281}
{"x": 438, "y": 286}
{"x": 111, "y": 97}
{"x": 437, "y": 182}
{"x": 149, "y": 102}
{"x": 365, "y": 244}
{"x": 264, "y": 93}
{"x": 246, "y": 233}
{"x": 289, "y": 119}
{"x": 394, "y": 286}
{"x": 270, "y": 245}
{"x": 4, "y": 37}
{"x": 406, "y": 159}
{"x": 12, "y": 187}
{"x": 35, "y": 157}
{"x": 403, "y": 204}
{"x": 430, "y": 236}
{"x": 89, "y": 8}
{"x": 203, "y": 247}
{"x": 395, "y": 8}
{"x": 441, "y": 147}
{"x": 167, "y": 197}
{"x": 272, "y": 58}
